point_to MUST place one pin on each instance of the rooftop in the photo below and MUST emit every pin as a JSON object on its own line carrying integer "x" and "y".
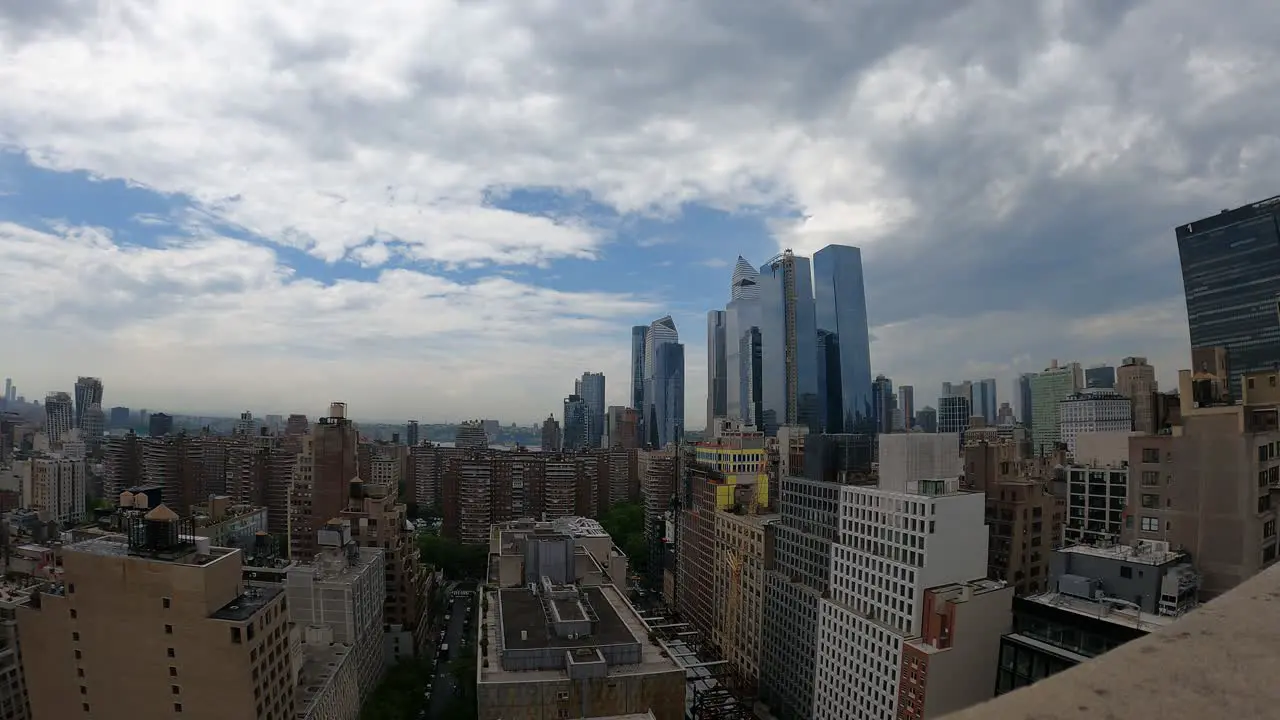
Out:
{"x": 320, "y": 664}
{"x": 607, "y": 601}
{"x": 1146, "y": 552}
{"x": 204, "y": 517}
{"x": 524, "y": 625}
{"x": 1102, "y": 610}
{"x": 249, "y": 603}
{"x": 579, "y": 527}
{"x": 1212, "y": 664}
{"x": 118, "y": 546}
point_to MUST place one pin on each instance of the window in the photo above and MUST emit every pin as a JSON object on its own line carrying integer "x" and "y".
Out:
{"x": 173, "y": 671}
{"x": 171, "y": 652}
{"x": 1250, "y": 383}
{"x": 168, "y": 629}
{"x": 1264, "y": 503}
{"x": 73, "y": 613}
{"x": 71, "y": 587}
{"x": 235, "y": 635}
{"x": 1150, "y": 524}
{"x": 166, "y": 602}
{"x": 84, "y": 707}
{"x": 174, "y": 689}
{"x": 1126, "y": 572}
{"x": 75, "y": 637}
{"x": 1150, "y": 455}
{"x": 1150, "y": 478}
{"x": 1150, "y": 501}
{"x": 177, "y": 707}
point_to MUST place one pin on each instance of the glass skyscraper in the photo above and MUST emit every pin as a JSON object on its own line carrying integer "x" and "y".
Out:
{"x": 639, "y": 334}
{"x": 1231, "y": 277}
{"x": 742, "y": 344}
{"x": 717, "y": 365}
{"x": 591, "y": 388}
{"x": 663, "y": 418}
{"x": 788, "y": 344}
{"x": 840, "y": 306}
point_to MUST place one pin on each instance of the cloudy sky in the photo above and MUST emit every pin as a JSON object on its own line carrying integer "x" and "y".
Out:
{"x": 438, "y": 210}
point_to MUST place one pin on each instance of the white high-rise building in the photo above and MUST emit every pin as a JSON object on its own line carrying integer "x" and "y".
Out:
{"x": 1093, "y": 410}
{"x": 55, "y": 487}
{"x": 915, "y": 532}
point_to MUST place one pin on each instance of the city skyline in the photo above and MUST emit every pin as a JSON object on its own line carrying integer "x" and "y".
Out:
{"x": 475, "y": 268}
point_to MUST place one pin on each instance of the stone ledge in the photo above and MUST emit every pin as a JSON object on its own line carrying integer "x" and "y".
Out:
{"x": 1220, "y": 661}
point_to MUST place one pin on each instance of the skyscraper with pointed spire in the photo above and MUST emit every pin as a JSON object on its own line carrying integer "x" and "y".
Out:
{"x": 742, "y": 371}
{"x": 663, "y": 417}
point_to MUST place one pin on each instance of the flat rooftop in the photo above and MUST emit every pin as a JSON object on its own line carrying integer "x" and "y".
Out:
{"x": 320, "y": 663}
{"x": 524, "y": 624}
{"x": 1211, "y": 664}
{"x": 1128, "y": 617}
{"x": 607, "y": 601}
{"x": 1146, "y": 553}
{"x": 118, "y": 546}
{"x": 247, "y": 604}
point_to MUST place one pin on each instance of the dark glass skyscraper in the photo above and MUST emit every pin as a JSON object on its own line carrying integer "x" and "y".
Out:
{"x": 639, "y": 334}
{"x": 741, "y": 319}
{"x": 1100, "y": 376}
{"x": 665, "y": 395}
{"x": 840, "y": 304}
{"x": 591, "y": 388}
{"x": 1231, "y": 276}
{"x": 717, "y": 361}
{"x": 788, "y": 344}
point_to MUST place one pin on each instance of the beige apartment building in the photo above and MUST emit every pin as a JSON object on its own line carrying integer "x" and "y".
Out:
{"x": 152, "y": 624}
{"x": 738, "y": 592}
{"x": 1136, "y": 380}
{"x": 1025, "y": 519}
{"x": 378, "y": 520}
{"x": 1210, "y": 486}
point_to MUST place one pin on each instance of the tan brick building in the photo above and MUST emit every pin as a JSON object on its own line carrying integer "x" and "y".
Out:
{"x": 1210, "y": 486}
{"x": 151, "y": 625}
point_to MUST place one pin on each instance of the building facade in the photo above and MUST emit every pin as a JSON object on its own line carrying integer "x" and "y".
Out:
{"x": 1231, "y": 278}
{"x": 915, "y": 532}
{"x": 150, "y": 625}
{"x": 788, "y": 337}
{"x": 717, "y": 364}
{"x": 59, "y": 417}
{"x": 1092, "y": 410}
{"x": 1136, "y": 380}
{"x": 1049, "y": 388}
{"x": 953, "y": 414}
{"x": 841, "y": 313}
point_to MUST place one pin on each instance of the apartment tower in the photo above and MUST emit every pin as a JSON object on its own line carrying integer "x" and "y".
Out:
{"x": 151, "y": 625}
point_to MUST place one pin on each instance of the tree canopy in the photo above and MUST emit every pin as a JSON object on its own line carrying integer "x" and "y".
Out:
{"x": 455, "y": 559}
{"x": 625, "y": 524}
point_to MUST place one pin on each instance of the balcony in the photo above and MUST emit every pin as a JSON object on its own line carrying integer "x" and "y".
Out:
{"x": 1217, "y": 662}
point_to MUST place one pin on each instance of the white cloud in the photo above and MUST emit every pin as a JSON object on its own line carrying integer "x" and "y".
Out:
{"x": 996, "y": 161}
{"x": 213, "y": 323}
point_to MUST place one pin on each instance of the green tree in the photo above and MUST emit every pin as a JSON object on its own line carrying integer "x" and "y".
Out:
{"x": 400, "y": 694}
{"x": 625, "y": 524}
{"x": 454, "y": 558}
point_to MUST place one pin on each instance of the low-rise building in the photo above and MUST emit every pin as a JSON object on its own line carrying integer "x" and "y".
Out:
{"x": 563, "y": 650}
{"x": 1101, "y": 598}
{"x": 229, "y": 524}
